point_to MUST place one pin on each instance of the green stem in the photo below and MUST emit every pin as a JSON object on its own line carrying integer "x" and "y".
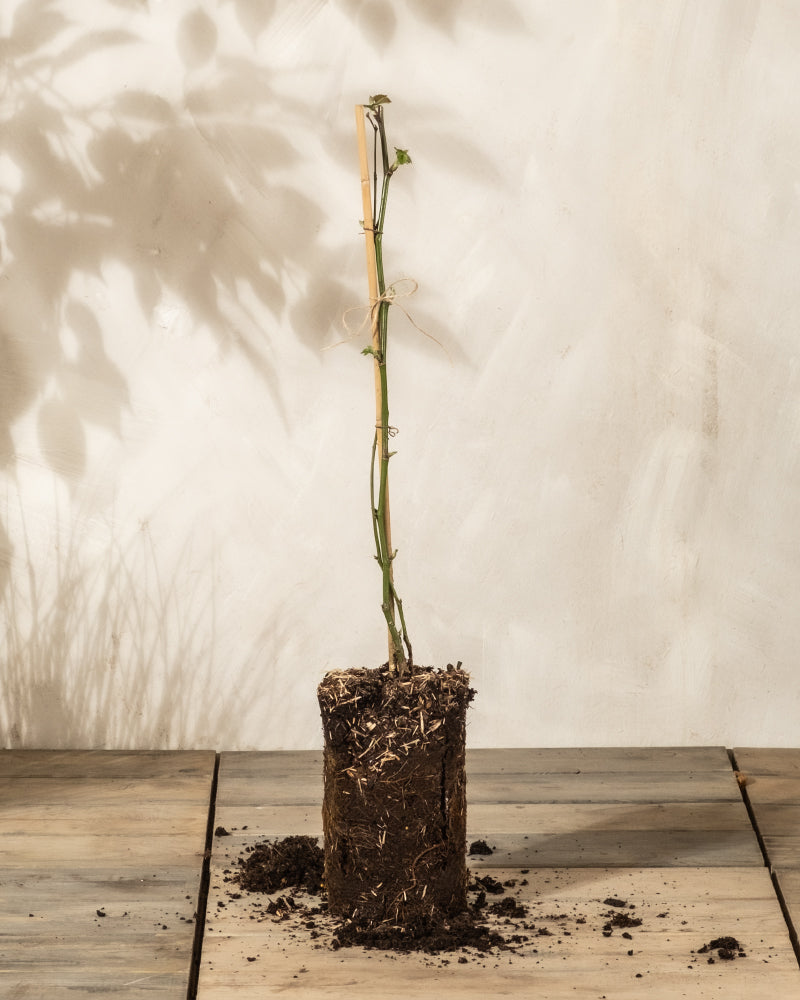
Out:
{"x": 391, "y": 604}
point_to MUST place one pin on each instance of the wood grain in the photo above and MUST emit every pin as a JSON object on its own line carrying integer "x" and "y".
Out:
{"x": 100, "y": 862}
{"x": 772, "y": 787}
{"x": 681, "y": 910}
{"x": 123, "y": 834}
{"x": 667, "y": 830}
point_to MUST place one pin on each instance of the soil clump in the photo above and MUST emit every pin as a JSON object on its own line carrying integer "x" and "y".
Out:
{"x": 479, "y": 847}
{"x": 293, "y": 862}
{"x": 727, "y": 949}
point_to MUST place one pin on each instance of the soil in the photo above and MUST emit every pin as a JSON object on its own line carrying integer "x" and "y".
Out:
{"x": 494, "y": 921}
{"x": 394, "y": 807}
{"x": 294, "y": 865}
{"x": 480, "y": 847}
{"x": 294, "y": 862}
{"x": 727, "y": 949}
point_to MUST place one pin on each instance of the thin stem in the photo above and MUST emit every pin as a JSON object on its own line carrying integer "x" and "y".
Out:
{"x": 374, "y": 168}
{"x": 372, "y": 506}
{"x": 390, "y": 603}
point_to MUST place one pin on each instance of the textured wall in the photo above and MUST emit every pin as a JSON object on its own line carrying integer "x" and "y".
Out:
{"x": 597, "y": 488}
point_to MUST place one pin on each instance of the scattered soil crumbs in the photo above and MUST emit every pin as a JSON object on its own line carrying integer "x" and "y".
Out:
{"x": 454, "y": 934}
{"x": 509, "y": 908}
{"x": 726, "y": 948}
{"x": 488, "y": 884}
{"x": 294, "y": 867}
{"x": 495, "y": 922}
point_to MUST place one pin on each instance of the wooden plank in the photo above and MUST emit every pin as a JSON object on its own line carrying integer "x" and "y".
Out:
{"x": 647, "y": 835}
{"x": 271, "y": 821}
{"x": 658, "y": 814}
{"x": 780, "y": 820}
{"x": 772, "y": 789}
{"x": 580, "y": 818}
{"x": 621, "y": 787}
{"x": 116, "y": 791}
{"x": 100, "y": 945}
{"x": 789, "y": 884}
{"x": 104, "y": 763}
{"x": 783, "y": 762}
{"x": 29, "y": 818}
{"x": 488, "y": 819}
{"x": 779, "y": 825}
{"x": 598, "y": 814}
{"x": 782, "y": 852}
{"x": 261, "y": 789}
{"x": 597, "y": 759}
{"x": 597, "y": 848}
{"x": 52, "y": 897}
{"x": 696, "y": 834}
{"x": 69, "y": 984}
{"x": 143, "y": 853}
{"x": 602, "y": 849}
{"x": 681, "y": 910}
{"x": 100, "y": 820}
{"x": 100, "y": 863}
{"x": 263, "y": 786}
{"x": 493, "y": 762}
{"x": 270, "y": 763}
{"x": 772, "y": 786}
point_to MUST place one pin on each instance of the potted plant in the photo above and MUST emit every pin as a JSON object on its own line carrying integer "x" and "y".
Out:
{"x": 394, "y": 806}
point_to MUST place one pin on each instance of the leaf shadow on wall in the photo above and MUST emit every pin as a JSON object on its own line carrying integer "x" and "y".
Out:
{"x": 181, "y": 195}
{"x": 193, "y": 198}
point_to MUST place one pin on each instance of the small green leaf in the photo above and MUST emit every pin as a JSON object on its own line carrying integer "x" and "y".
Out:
{"x": 369, "y": 350}
{"x": 401, "y": 156}
{"x": 378, "y": 99}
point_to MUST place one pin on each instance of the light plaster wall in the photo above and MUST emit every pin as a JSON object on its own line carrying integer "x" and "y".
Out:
{"x": 596, "y": 495}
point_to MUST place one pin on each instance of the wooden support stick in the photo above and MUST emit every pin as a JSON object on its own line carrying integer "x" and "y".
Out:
{"x": 369, "y": 231}
{"x": 374, "y": 310}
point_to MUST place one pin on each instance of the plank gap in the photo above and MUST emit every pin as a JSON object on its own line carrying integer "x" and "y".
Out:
{"x": 778, "y": 765}
{"x": 202, "y": 895}
{"x": 787, "y": 916}
{"x": 750, "y": 811}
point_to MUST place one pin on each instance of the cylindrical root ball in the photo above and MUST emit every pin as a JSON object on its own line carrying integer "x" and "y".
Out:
{"x": 394, "y": 807}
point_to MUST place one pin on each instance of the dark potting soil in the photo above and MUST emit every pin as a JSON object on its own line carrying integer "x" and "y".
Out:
{"x": 394, "y": 806}
{"x": 479, "y": 847}
{"x": 726, "y": 948}
{"x": 294, "y": 865}
{"x": 293, "y": 862}
{"x": 292, "y": 868}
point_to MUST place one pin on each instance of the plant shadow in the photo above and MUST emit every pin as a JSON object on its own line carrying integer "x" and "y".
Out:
{"x": 190, "y": 193}
{"x": 110, "y": 652}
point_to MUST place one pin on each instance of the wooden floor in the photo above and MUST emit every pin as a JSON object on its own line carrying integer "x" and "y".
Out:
{"x": 102, "y": 854}
{"x": 772, "y": 792}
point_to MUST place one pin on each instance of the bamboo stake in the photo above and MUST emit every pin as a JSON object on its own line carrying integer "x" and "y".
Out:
{"x": 374, "y": 310}
{"x": 369, "y": 233}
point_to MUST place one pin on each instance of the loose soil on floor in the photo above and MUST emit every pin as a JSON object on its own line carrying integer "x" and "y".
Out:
{"x": 283, "y": 880}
